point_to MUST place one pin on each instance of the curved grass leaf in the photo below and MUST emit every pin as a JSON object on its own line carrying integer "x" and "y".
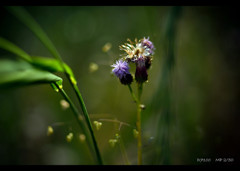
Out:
{"x": 44, "y": 63}
{"x": 27, "y": 19}
{"x": 48, "y": 64}
{"x": 19, "y": 73}
{"x": 9, "y": 46}
{"x": 51, "y": 65}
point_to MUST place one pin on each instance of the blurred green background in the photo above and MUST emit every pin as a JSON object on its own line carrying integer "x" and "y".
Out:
{"x": 192, "y": 108}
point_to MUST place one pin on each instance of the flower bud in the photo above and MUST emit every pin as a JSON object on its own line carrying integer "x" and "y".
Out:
{"x": 93, "y": 67}
{"x": 49, "y": 131}
{"x": 117, "y": 136}
{"x": 69, "y": 137}
{"x": 82, "y": 137}
{"x": 135, "y": 133}
{"x": 97, "y": 124}
{"x": 141, "y": 74}
{"x": 112, "y": 142}
{"x": 127, "y": 79}
{"x": 142, "y": 106}
{"x": 64, "y": 104}
{"x": 106, "y": 47}
{"x": 148, "y": 62}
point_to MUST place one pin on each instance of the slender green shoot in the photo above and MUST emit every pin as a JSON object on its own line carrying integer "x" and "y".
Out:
{"x": 85, "y": 112}
{"x": 9, "y": 46}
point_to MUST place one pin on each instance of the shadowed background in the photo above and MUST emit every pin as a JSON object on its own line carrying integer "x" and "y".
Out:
{"x": 198, "y": 90}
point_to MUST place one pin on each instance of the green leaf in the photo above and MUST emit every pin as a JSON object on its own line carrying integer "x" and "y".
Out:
{"x": 19, "y": 73}
{"x": 44, "y": 63}
{"x": 48, "y": 64}
{"x": 29, "y": 21}
{"x": 9, "y": 46}
{"x": 52, "y": 65}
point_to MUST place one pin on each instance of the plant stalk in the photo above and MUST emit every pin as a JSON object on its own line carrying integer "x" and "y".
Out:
{"x": 88, "y": 121}
{"x": 138, "y": 123}
{"x": 133, "y": 95}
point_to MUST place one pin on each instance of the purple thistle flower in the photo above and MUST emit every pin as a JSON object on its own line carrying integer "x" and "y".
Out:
{"x": 147, "y": 43}
{"x": 139, "y": 53}
{"x": 121, "y": 70}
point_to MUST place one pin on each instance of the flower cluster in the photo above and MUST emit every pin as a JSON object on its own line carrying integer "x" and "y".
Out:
{"x": 140, "y": 53}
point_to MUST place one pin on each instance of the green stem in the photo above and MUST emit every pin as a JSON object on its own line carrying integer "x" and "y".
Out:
{"x": 132, "y": 94}
{"x": 140, "y": 87}
{"x": 85, "y": 113}
{"x": 139, "y": 144}
{"x": 138, "y": 123}
{"x": 139, "y": 129}
{"x": 74, "y": 109}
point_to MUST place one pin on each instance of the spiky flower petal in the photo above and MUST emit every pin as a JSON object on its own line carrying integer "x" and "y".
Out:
{"x": 148, "y": 44}
{"x": 121, "y": 70}
{"x": 138, "y": 52}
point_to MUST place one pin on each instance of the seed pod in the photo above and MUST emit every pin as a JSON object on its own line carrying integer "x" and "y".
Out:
{"x": 97, "y": 124}
{"x": 49, "y": 131}
{"x": 69, "y": 137}
{"x": 93, "y": 67}
{"x": 64, "y": 104}
{"x": 112, "y": 142}
{"x": 135, "y": 133}
{"x": 106, "y": 47}
{"x": 82, "y": 137}
{"x": 117, "y": 136}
